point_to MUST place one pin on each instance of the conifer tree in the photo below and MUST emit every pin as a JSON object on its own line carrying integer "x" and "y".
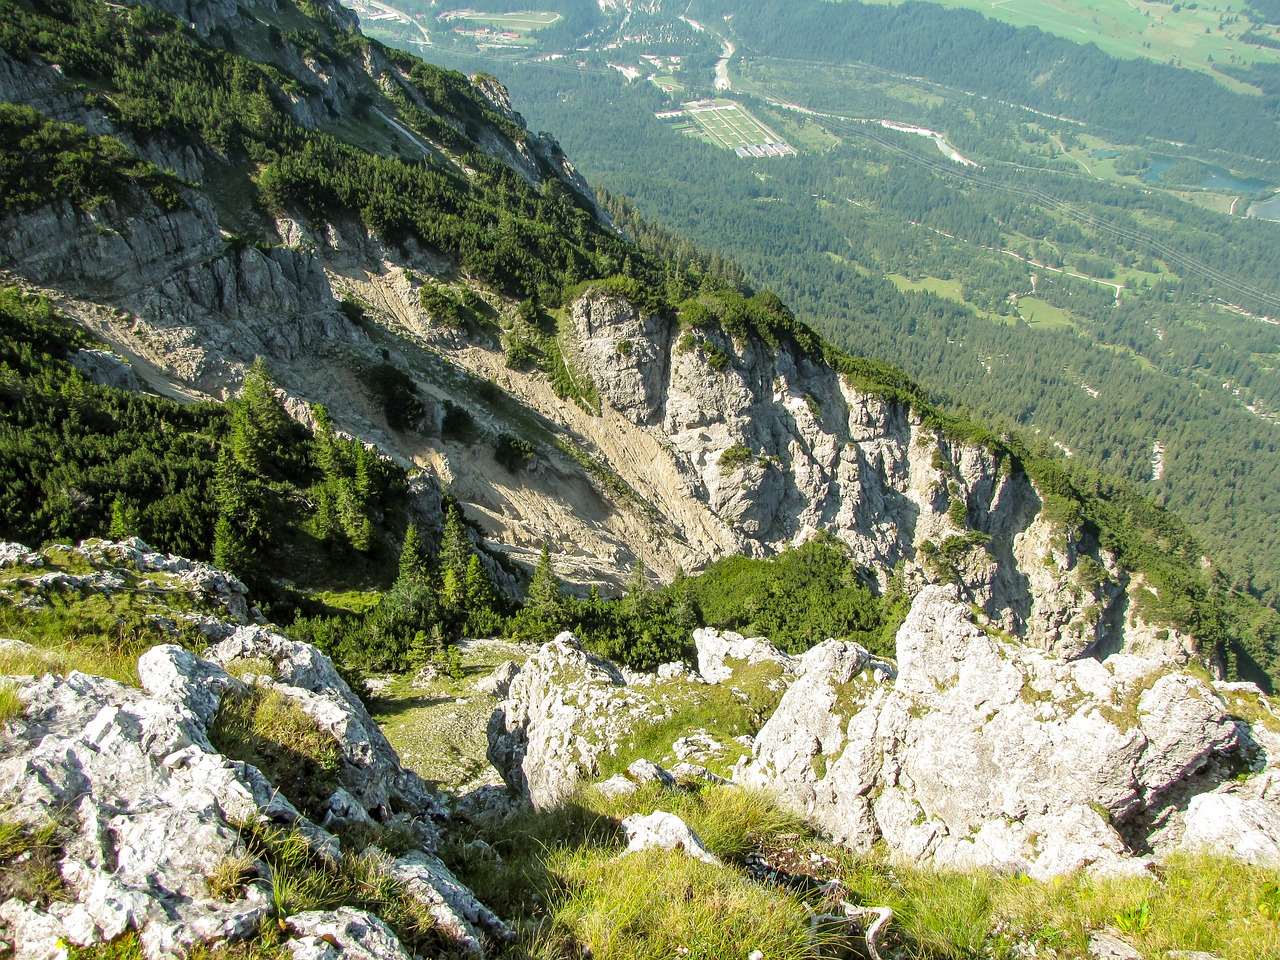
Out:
{"x": 258, "y": 420}
{"x": 124, "y": 520}
{"x": 544, "y": 600}
{"x": 638, "y": 590}
{"x": 240, "y": 530}
{"x": 413, "y": 559}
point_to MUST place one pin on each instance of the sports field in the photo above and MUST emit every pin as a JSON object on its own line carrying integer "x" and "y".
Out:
{"x": 726, "y": 124}
{"x": 1191, "y": 32}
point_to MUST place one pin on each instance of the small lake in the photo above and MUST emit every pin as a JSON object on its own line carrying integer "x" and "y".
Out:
{"x": 1266, "y": 209}
{"x": 1215, "y": 178}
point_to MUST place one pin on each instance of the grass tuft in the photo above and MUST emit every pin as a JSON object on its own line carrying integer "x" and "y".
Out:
{"x": 263, "y": 727}
{"x": 300, "y": 881}
{"x": 228, "y": 878}
{"x": 11, "y": 705}
{"x": 29, "y": 857}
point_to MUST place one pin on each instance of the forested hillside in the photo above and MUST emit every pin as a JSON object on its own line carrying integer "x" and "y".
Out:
{"x": 517, "y": 255}
{"x": 893, "y": 251}
{"x": 1025, "y": 66}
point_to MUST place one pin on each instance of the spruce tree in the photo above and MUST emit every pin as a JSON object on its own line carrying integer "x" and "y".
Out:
{"x": 413, "y": 559}
{"x": 637, "y": 591}
{"x": 259, "y": 422}
{"x": 544, "y": 600}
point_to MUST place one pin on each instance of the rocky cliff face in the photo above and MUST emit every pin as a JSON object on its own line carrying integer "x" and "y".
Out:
{"x": 777, "y": 446}
{"x": 748, "y": 457}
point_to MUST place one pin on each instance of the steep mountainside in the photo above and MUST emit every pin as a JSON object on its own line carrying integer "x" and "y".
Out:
{"x": 260, "y": 180}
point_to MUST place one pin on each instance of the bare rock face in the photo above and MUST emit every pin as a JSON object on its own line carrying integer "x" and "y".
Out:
{"x": 987, "y": 753}
{"x": 1240, "y": 817}
{"x": 776, "y": 445}
{"x": 370, "y": 770}
{"x": 715, "y": 647}
{"x": 563, "y": 710}
{"x": 354, "y": 934}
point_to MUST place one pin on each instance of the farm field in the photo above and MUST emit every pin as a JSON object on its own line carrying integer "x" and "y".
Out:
{"x": 726, "y": 124}
{"x": 522, "y": 23}
{"x": 1197, "y": 35}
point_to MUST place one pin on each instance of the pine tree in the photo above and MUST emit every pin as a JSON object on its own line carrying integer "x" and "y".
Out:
{"x": 240, "y": 530}
{"x": 637, "y": 590}
{"x": 413, "y": 560}
{"x": 325, "y": 440}
{"x": 124, "y": 520}
{"x": 544, "y": 600}
{"x": 455, "y": 547}
{"x": 258, "y": 420}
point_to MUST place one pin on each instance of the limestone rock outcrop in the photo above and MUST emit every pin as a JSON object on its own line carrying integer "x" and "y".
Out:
{"x": 664, "y": 831}
{"x": 148, "y": 810}
{"x": 714, "y": 647}
{"x": 776, "y": 445}
{"x": 984, "y": 752}
{"x": 563, "y": 709}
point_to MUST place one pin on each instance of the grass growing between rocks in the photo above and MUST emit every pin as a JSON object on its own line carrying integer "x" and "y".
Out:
{"x": 437, "y": 724}
{"x": 562, "y": 884}
{"x": 96, "y": 632}
{"x": 300, "y": 880}
{"x": 726, "y": 710}
{"x": 560, "y": 881}
{"x": 11, "y": 705}
{"x": 659, "y": 905}
{"x": 29, "y": 856}
{"x": 264, "y": 727}
{"x": 1190, "y": 903}
{"x": 129, "y": 947}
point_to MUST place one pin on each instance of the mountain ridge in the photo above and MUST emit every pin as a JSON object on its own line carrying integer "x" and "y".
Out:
{"x": 762, "y": 427}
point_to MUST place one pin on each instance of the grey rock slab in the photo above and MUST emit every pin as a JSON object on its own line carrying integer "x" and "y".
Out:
{"x": 646, "y": 771}
{"x": 618, "y": 786}
{"x": 15, "y": 554}
{"x": 564, "y": 709}
{"x": 664, "y": 831}
{"x": 715, "y": 648}
{"x": 454, "y": 906}
{"x": 1240, "y": 825}
{"x": 343, "y": 933}
{"x": 499, "y": 682}
{"x": 1103, "y": 946}
{"x": 370, "y": 771}
{"x": 150, "y": 809}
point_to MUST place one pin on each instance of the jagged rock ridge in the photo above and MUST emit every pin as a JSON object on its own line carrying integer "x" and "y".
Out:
{"x": 972, "y": 751}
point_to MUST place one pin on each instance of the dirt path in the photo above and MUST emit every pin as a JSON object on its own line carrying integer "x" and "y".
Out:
{"x": 1059, "y": 144}
{"x": 1068, "y": 273}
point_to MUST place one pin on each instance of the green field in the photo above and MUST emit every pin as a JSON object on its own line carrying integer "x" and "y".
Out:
{"x": 1042, "y": 315}
{"x": 1134, "y": 28}
{"x": 726, "y": 124}
{"x": 950, "y": 289}
{"x": 524, "y": 22}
